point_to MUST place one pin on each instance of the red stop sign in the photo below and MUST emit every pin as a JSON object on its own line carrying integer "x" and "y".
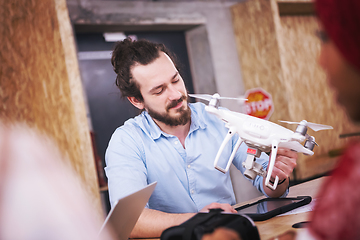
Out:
{"x": 259, "y": 103}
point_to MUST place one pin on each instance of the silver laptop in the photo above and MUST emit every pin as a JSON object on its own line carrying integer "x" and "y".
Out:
{"x": 124, "y": 215}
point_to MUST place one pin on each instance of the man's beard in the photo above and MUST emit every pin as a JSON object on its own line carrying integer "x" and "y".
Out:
{"x": 185, "y": 114}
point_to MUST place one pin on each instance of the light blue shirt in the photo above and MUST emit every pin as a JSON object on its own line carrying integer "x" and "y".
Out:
{"x": 139, "y": 153}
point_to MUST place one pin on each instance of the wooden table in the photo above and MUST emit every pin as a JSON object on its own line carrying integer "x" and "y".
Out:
{"x": 275, "y": 226}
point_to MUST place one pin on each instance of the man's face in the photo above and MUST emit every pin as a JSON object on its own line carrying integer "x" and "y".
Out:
{"x": 343, "y": 78}
{"x": 163, "y": 91}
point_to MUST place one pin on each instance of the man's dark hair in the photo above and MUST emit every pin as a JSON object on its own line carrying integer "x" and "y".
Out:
{"x": 126, "y": 54}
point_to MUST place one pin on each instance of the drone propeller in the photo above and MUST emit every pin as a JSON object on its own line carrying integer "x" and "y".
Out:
{"x": 314, "y": 126}
{"x": 208, "y": 97}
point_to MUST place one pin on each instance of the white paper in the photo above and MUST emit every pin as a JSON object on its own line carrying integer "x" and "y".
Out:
{"x": 306, "y": 208}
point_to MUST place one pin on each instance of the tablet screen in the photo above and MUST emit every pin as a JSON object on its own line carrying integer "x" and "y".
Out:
{"x": 267, "y": 206}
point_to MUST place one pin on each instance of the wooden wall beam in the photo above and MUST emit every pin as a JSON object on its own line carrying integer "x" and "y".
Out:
{"x": 296, "y": 8}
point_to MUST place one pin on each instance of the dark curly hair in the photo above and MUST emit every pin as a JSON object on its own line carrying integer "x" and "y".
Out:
{"x": 126, "y": 54}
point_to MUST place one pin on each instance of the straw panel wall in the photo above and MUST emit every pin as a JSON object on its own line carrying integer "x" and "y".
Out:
{"x": 40, "y": 81}
{"x": 312, "y": 99}
{"x": 259, "y": 52}
{"x": 280, "y": 54}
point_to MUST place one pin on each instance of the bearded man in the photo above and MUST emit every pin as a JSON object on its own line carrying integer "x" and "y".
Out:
{"x": 174, "y": 143}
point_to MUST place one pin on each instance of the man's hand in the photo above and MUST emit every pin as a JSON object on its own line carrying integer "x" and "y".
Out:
{"x": 285, "y": 162}
{"x": 224, "y": 206}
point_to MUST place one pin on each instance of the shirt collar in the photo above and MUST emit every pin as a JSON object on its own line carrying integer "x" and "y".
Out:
{"x": 197, "y": 120}
{"x": 148, "y": 124}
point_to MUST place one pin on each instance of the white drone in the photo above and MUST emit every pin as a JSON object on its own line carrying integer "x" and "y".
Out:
{"x": 260, "y": 136}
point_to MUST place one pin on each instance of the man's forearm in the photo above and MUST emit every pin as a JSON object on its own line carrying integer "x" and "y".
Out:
{"x": 152, "y": 223}
{"x": 279, "y": 191}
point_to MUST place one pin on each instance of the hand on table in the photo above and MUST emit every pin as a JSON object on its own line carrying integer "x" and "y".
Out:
{"x": 221, "y": 233}
{"x": 224, "y": 206}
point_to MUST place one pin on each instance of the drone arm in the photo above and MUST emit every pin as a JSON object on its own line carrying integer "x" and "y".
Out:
{"x": 230, "y": 133}
{"x": 271, "y": 166}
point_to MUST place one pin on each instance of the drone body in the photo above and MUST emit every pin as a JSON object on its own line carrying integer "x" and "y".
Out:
{"x": 260, "y": 136}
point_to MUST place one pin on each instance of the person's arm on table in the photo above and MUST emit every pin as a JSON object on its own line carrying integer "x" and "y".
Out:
{"x": 152, "y": 223}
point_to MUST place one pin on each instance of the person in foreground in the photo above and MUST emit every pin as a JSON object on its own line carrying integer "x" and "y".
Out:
{"x": 174, "y": 143}
{"x": 41, "y": 196}
{"x": 336, "y": 213}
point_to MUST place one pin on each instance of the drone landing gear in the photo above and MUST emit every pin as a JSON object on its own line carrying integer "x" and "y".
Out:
{"x": 237, "y": 145}
{"x": 252, "y": 168}
{"x": 274, "y": 149}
